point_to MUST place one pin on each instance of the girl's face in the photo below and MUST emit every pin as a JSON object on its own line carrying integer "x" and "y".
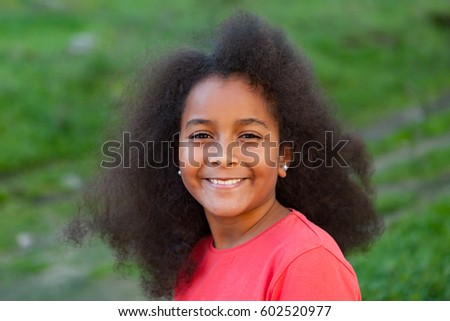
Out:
{"x": 229, "y": 143}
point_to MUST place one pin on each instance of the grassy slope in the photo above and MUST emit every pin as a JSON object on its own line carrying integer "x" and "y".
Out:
{"x": 410, "y": 262}
{"x": 372, "y": 58}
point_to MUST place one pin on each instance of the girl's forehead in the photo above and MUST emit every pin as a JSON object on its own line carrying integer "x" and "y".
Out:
{"x": 223, "y": 98}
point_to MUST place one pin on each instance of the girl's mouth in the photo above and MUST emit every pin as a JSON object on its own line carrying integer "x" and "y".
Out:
{"x": 225, "y": 182}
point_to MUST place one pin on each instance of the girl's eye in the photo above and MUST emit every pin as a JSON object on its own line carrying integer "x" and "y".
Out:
{"x": 250, "y": 136}
{"x": 200, "y": 135}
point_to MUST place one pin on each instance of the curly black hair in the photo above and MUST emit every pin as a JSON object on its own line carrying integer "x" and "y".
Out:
{"x": 144, "y": 211}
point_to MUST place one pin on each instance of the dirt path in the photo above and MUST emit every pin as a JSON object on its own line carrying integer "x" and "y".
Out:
{"x": 416, "y": 150}
{"x": 390, "y": 123}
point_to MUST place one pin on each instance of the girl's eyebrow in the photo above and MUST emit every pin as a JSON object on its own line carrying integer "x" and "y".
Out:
{"x": 198, "y": 121}
{"x": 252, "y": 121}
{"x": 240, "y": 122}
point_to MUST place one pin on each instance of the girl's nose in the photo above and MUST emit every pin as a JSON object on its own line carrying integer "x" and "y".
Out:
{"x": 217, "y": 161}
{"x": 222, "y": 154}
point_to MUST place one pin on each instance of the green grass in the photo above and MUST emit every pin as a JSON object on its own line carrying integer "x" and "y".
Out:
{"x": 412, "y": 259}
{"x": 57, "y": 104}
{"x": 393, "y": 201}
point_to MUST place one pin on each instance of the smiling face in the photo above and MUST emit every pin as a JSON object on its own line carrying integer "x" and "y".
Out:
{"x": 229, "y": 148}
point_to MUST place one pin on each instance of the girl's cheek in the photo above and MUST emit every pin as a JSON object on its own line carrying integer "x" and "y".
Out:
{"x": 190, "y": 154}
{"x": 251, "y": 154}
{"x": 258, "y": 154}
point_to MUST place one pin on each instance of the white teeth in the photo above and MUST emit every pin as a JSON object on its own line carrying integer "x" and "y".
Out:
{"x": 227, "y": 182}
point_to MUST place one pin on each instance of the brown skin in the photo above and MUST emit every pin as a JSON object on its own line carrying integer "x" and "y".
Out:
{"x": 239, "y": 211}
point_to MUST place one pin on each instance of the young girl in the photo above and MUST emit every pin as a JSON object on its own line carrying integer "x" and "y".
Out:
{"x": 254, "y": 200}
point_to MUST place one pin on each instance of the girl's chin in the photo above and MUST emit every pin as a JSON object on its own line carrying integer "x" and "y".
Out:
{"x": 223, "y": 212}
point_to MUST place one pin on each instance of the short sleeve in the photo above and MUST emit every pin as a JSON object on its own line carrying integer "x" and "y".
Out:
{"x": 316, "y": 275}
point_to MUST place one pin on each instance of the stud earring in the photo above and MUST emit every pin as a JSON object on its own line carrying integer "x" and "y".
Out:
{"x": 179, "y": 173}
{"x": 284, "y": 167}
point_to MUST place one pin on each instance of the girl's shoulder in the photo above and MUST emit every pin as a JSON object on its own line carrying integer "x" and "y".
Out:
{"x": 308, "y": 255}
{"x": 306, "y": 235}
{"x": 295, "y": 236}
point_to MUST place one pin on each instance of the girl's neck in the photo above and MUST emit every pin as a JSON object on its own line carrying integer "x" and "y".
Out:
{"x": 234, "y": 231}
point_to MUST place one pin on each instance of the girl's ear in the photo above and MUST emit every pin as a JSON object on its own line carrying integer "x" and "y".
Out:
{"x": 285, "y": 158}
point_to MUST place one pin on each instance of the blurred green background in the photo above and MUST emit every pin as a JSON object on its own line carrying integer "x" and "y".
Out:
{"x": 64, "y": 66}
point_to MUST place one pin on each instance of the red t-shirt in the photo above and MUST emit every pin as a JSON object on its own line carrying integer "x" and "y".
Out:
{"x": 292, "y": 260}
